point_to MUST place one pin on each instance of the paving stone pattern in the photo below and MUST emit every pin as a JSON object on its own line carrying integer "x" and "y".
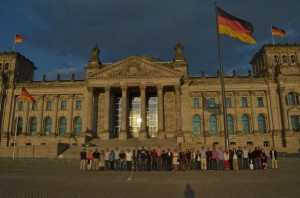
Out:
{"x": 62, "y": 178}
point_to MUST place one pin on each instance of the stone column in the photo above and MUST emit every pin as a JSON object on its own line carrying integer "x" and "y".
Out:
{"x": 105, "y": 134}
{"x": 221, "y": 115}
{"x": 284, "y": 111}
{"x": 253, "y": 115}
{"x": 160, "y": 110}
{"x": 178, "y": 111}
{"x": 270, "y": 119}
{"x": 40, "y": 115}
{"x": 54, "y": 126}
{"x": 238, "y": 121}
{"x": 89, "y": 109}
{"x": 142, "y": 133}
{"x": 123, "y": 132}
{"x": 70, "y": 120}
{"x": 25, "y": 119}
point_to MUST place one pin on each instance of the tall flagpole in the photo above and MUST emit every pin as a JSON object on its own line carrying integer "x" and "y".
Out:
{"x": 272, "y": 35}
{"x": 222, "y": 85}
{"x": 13, "y": 49}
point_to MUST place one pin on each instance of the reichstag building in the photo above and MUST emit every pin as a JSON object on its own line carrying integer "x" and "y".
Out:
{"x": 144, "y": 97}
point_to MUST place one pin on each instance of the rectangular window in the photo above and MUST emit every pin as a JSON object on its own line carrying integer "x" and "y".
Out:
{"x": 196, "y": 102}
{"x": 78, "y": 104}
{"x": 228, "y": 102}
{"x": 212, "y": 102}
{"x": 34, "y": 106}
{"x": 20, "y": 106}
{"x": 244, "y": 102}
{"x": 49, "y": 105}
{"x": 63, "y": 105}
{"x": 260, "y": 101}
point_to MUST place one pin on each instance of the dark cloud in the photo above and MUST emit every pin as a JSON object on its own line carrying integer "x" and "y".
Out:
{"x": 136, "y": 27}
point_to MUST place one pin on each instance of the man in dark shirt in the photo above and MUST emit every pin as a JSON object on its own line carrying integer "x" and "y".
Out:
{"x": 143, "y": 157}
{"x": 188, "y": 159}
{"x": 169, "y": 160}
{"x": 209, "y": 159}
{"x": 122, "y": 157}
{"x": 82, "y": 159}
{"x": 239, "y": 154}
{"x": 136, "y": 158}
{"x": 95, "y": 163}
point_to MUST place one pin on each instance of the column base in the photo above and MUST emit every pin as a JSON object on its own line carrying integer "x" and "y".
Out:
{"x": 142, "y": 135}
{"x": 161, "y": 134}
{"x": 123, "y": 135}
{"x": 104, "y": 135}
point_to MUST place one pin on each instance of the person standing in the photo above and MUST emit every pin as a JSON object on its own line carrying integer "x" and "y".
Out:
{"x": 209, "y": 159}
{"x": 136, "y": 158}
{"x": 117, "y": 159}
{"x": 89, "y": 157}
{"x": 102, "y": 160}
{"x": 198, "y": 160}
{"x": 106, "y": 158}
{"x": 122, "y": 160}
{"x": 169, "y": 160}
{"x": 203, "y": 159}
{"x": 235, "y": 160}
{"x": 164, "y": 160}
{"x": 129, "y": 160}
{"x": 82, "y": 159}
{"x": 96, "y": 156}
{"x": 245, "y": 158}
{"x": 214, "y": 156}
{"x": 149, "y": 159}
{"x": 226, "y": 160}
{"x": 188, "y": 159}
{"x": 239, "y": 154}
{"x": 154, "y": 160}
{"x": 175, "y": 159}
{"x": 143, "y": 157}
{"x": 263, "y": 159}
{"x": 112, "y": 160}
{"x": 159, "y": 160}
{"x": 273, "y": 155}
{"x": 220, "y": 162}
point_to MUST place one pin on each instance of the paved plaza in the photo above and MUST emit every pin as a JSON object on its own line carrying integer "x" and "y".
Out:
{"x": 62, "y": 178}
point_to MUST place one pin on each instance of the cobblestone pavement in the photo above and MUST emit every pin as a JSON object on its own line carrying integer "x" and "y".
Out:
{"x": 46, "y": 178}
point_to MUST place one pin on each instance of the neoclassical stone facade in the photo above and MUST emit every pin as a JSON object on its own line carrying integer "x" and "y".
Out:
{"x": 144, "y": 97}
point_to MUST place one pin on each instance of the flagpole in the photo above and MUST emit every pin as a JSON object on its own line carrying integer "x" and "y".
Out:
{"x": 272, "y": 35}
{"x": 222, "y": 84}
{"x": 13, "y": 49}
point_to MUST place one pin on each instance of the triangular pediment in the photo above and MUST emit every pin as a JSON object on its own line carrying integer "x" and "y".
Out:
{"x": 135, "y": 67}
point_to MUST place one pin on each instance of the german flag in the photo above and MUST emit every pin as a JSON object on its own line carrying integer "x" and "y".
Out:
{"x": 235, "y": 27}
{"x": 278, "y": 32}
{"x": 18, "y": 39}
{"x": 26, "y": 96}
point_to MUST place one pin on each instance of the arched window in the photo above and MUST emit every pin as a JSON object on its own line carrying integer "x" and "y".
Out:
{"x": 33, "y": 125}
{"x": 6, "y": 66}
{"x": 245, "y": 124}
{"x": 261, "y": 123}
{"x": 62, "y": 124}
{"x": 196, "y": 125}
{"x": 295, "y": 122}
{"x": 293, "y": 59}
{"x": 276, "y": 60}
{"x": 284, "y": 59}
{"x": 47, "y": 125}
{"x": 292, "y": 99}
{"x": 230, "y": 126}
{"x": 213, "y": 125}
{"x": 19, "y": 125}
{"x": 77, "y": 126}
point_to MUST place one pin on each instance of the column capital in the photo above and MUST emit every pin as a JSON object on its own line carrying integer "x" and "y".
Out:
{"x": 124, "y": 87}
{"x": 252, "y": 93}
{"x": 90, "y": 89}
{"x": 159, "y": 87}
{"x": 143, "y": 87}
{"x": 107, "y": 88}
{"x": 177, "y": 89}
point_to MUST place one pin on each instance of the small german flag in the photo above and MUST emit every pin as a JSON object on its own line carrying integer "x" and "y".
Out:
{"x": 26, "y": 96}
{"x": 234, "y": 27}
{"x": 18, "y": 39}
{"x": 278, "y": 32}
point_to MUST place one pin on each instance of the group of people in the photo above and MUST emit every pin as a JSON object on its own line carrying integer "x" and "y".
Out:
{"x": 142, "y": 159}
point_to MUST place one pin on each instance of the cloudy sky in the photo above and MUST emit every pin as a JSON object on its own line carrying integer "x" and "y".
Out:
{"x": 59, "y": 34}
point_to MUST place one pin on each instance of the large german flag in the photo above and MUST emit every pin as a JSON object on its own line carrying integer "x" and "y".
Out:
{"x": 235, "y": 27}
{"x": 26, "y": 96}
{"x": 278, "y": 32}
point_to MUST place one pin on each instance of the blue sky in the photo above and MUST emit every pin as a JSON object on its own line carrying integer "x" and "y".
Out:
{"x": 59, "y": 35}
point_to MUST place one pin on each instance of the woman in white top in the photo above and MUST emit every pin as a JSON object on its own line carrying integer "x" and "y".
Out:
{"x": 235, "y": 162}
{"x": 226, "y": 160}
{"x": 175, "y": 159}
